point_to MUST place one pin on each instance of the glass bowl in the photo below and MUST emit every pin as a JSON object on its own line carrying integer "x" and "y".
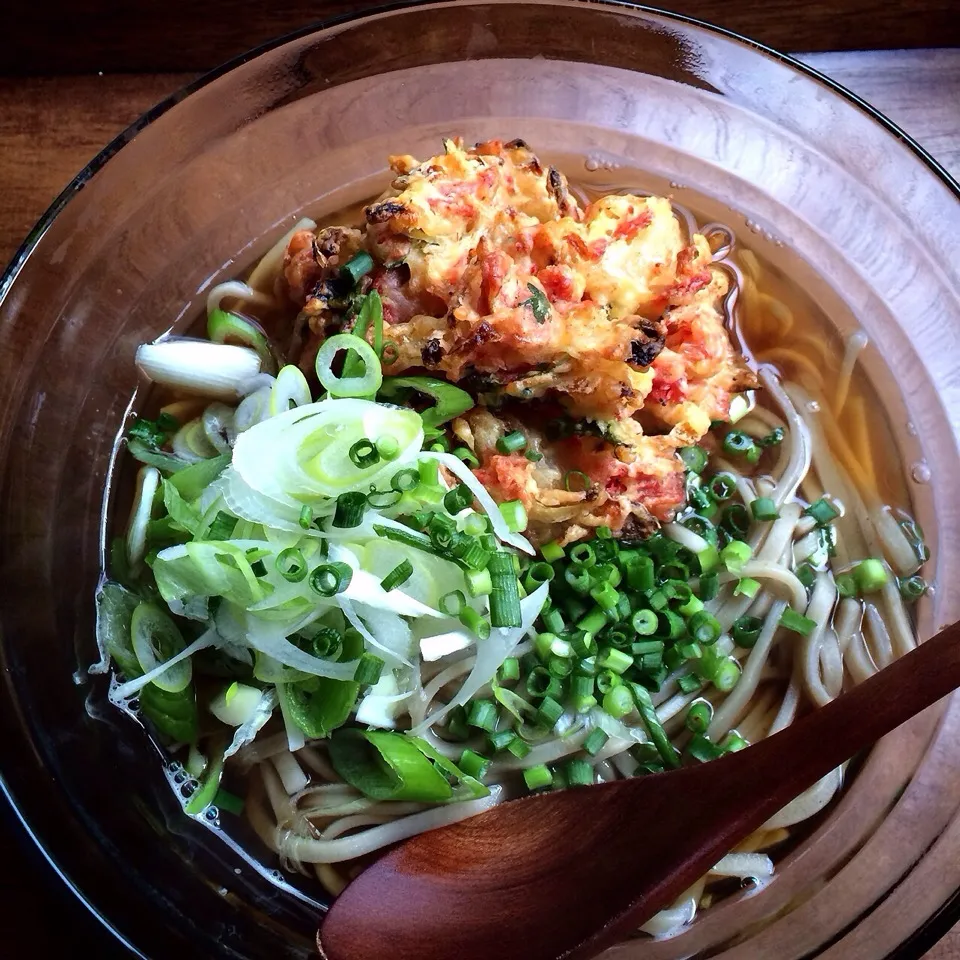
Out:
{"x": 620, "y": 95}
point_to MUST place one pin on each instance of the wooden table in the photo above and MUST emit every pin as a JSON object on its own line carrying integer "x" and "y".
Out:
{"x": 51, "y": 126}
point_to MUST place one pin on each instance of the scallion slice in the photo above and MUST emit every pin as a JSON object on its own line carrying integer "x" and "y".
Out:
{"x": 291, "y": 565}
{"x": 505, "y": 595}
{"x": 349, "y": 509}
{"x": 364, "y": 453}
{"x": 401, "y": 573}
{"x": 511, "y": 443}
{"x": 796, "y": 622}
{"x": 329, "y": 579}
{"x": 822, "y": 511}
{"x": 364, "y": 385}
{"x": 369, "y": 668}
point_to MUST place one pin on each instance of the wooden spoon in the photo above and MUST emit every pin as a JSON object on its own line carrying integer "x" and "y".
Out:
{"x": 565, "y": 874}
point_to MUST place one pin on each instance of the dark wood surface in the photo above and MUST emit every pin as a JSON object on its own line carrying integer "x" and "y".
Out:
{"x": 51, "y": 125}
{"x": 167, "y": 35}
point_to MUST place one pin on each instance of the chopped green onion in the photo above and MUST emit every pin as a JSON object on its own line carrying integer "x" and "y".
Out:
{"x": 457, "y": 499}
{"x": 429, "y": 471}
{"x": 349, "y": 509}
{"x": 329, "y": 579}
{"x": 773, "y": 439}
{"x": 846, "y": 584}
{"x": 406, "y": 480}
{"x": 515, "y": 515}
{"x": 537, "y": 574}
{"x": 726, "y": 675}
{"x": 306, "y": 517}
{"x": 733, "y": 742}
{"x": 572, "y": 478}
{"x": 595, "y": 742}
{"x": 549, "y": 712}
{"x": 607, "y": 573}
{"x": 538, "y": 777}
{"x": 671, "y": 625}
{"x": 579, "y": 773}
{"x": 583, "y": 555}
{"x": 473, "y": 764}
{"x": 499, "y": 739}
{"x": 796, "y": 622}
{"x": 552, "y": 551}
{"x": 722, "y": 487}
{"x": 746, "y": 587}
{"x": 703, "y": 749}
{"x": 615, "y": 660}
{"x": 618, "y": 702}
{"x": 475, "y": 623}
{"x": 388, "y": 447}
{"x": 708, "y": 558}
{"x": 553, "y": 620}
{"x": 699, "y": 498}
{"x": 452, "y": 603}
{"x": 364, "y": 453}
{"x": 689, "y": 682}
{"x": 505, "y": 596}
{"x": 593, "y": 622}
{"x": 704, "y": 627}
{"x": 359, "y": 265}
{"x": 607, "y": 680}
{"x": 806, "y": 574}
{"x": 698, "y": 716}
{"x": 369, "y": 668}
{"x": 692, "y": 606}
{"x": 578, "y": 578}
{"x": 541, "y": 683}
{"x": 291, "y": 565}
{"x": 606, "y": 597}
{"x": 822, "y": 511}
{"x": 709, "y": 587}
{"x": 764, "y": 509}
{"x": 381, "y": 499}
{"x": 467, "y": 456}
{"x": 510, "y": 669}
{"x": 533, "y": 456}
{"x": 583, "y": 644}
{"x": 746, "y": 631}
{"x": 512, "y": 442}
{"x": 482, "y": 714}
{"x": 694, "y": 458}
{"x": 518, "y": 747}
{"x": 479, "y": 582}
{"x": 735, "y": 554}
{"x": 457, "y": 727}
{"x": 870, "y": 575}
{"x": 657, "y": 600}
{"x": 736, "y": 520}
{"x": 475, "y": 524}
{"x": 912, "y": 588}
{"x": 740, "y": 444}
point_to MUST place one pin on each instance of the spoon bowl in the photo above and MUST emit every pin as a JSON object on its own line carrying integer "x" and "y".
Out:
{"x": 565, "y": 874}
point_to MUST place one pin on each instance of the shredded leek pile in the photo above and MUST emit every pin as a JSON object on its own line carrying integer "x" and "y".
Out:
{"x": 313, "y": 550}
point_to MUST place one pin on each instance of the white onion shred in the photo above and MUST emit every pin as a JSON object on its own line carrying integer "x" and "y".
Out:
{"x": 490, "y": 654}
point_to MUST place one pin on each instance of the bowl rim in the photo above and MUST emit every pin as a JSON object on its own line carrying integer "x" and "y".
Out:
{"x": 948, "y": 915}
